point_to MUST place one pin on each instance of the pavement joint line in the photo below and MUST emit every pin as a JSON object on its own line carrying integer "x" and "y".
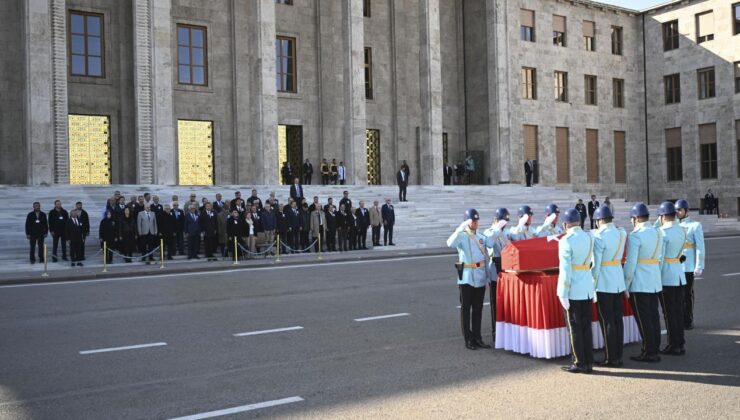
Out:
{"x": 484, "y": 304}
{"x": 276, "y": 330}
{"x": 134, "y": 347}
{"x": 150, "y": 276}
{"x": 373, "y": 318}
{"x": 241, "y": 409}
{"x": 730, "y": 274}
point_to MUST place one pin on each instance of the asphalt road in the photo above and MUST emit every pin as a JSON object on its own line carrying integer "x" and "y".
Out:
{"x": 55, "y": 342}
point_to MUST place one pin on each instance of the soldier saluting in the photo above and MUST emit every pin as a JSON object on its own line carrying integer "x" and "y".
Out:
{"x": 472, "y": 276}
{"x": 693, "y": 264}
{"x": 576, "y": 290}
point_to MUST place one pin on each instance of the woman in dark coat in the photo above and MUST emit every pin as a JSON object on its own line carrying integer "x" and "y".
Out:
{"x": 127, "y": 234}
{"x": 236, "y": 227}
{"x": 108, "y": 233}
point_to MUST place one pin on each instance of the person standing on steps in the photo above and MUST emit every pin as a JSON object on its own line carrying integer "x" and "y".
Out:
{"x": 402, "y": 179}
{"x": 389, "y": 219}
{"x": 37, "y": 229}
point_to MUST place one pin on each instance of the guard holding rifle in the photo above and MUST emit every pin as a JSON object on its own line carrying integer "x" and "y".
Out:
{"x": 472, "y": 276}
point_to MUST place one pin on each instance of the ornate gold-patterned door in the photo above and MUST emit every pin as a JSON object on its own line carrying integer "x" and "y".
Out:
{"x": 445, "y": 149}
{"x": 373, "y": 156}
{"x": 290, "y": 149}
{"x": 89, "y": 149}
{"x": 195, "y": 152}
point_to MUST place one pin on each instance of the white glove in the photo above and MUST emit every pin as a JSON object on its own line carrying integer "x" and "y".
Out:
{"x": 550, "y": 219}
{"x": 594, "y": 299}
{"x": 698, "y": 272}
{"x": 565, "y": 302}
{"x": 626, "y": 294}
{"x": 523, "y": 221}
{"x": 501, "y": 223}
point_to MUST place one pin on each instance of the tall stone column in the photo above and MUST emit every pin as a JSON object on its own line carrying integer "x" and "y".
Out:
{"x": 46, "y": 91}
{"x": 355, "y": 158}
{"x": 498, "y": 90}
{"x": 430, "y": 89}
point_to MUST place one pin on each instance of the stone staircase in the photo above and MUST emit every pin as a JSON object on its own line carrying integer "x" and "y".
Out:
{"x": 425, "y": 221}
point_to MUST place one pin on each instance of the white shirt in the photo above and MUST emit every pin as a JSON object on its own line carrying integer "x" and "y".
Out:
{"x": 340, "y": 171}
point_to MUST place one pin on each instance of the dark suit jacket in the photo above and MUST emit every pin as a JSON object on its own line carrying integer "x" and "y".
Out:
{"x": 331, "y": 220}
{"x": 37, "y": 230}
{"x": 363, "y": 218}
{"x": 178, "y": 220}
{"x": 592, "y": 206}
{"x": 307, "y": 168}
{"x": 75, "y": 232}
{"x": 294, "y": 219}
{"x": 192, "y": 227}
{"x": 400, "y": 181}
{"x": 208, "y": 224}
{"x": 296, "y": 193}
{"x": 581, "y": 209}
{"x": 388, "y": 213}
{"x": 448, "y": 170}
{"x": 58, "y": 221}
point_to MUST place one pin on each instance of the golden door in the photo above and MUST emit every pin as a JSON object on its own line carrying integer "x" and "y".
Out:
{"x": 195, "y": 152}
{"x": 89, "y": 149}
{"x": 373, "y": 156}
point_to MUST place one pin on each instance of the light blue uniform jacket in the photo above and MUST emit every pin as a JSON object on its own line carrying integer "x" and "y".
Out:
{"x": 548, "y": 230}
{"x": 575, "y": 249}
{"x": 527, "y": 232}
{"x": 471, "y": 248}
{"x": 694, "y": 246}
{"x": 643, "y": 243}
{"x": 500, "y": 240}
{"x": 674, "y": 238}
{"x": 609, "y": 242}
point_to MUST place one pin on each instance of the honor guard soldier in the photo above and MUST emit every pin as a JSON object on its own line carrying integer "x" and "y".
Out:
{"x": 472, "y": 270}
{"x": 608, "y": 277}
{"x": 523, "y": 230}
{"x": 550, "y": 226}
{"x": 498, "y": 234}
{"x": 693, "y": 264}
{"x": 576, "y": 290}
{"x": 673, "y": 278}
{"x": 643, "y": 281}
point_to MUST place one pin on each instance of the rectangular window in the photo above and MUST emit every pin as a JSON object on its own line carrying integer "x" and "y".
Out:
{"x": 592, "y": 156}
{"x": 736, "y": 18}
{"x": 86, "y": 44}
{"x": 561, "y": 86}
{"x": 562, "y": 154}
{"x": 288, "y": 2}
{"x": 705, "y": 81}
{"x": 674, "y": 161}
{"x": 616, "y": 40}
{"x": 737, "y": 76}
{"x": 618, "y": 85}
{"x": 737, "y": 149}
{"x": 670, "y": 35}
{"x": 589, "y": 35}
{"x": 672, "y": 85}
{"x": 366, "y": 8}
{"x": 529, "y": 83}
{"x": 531, "y": 148}
{"x": 527, "y": 24}
{"x": 368, "y": 73}
{"x": 590, "y": 89}
{"x": 286, "y": 64}
{"x": 192, "y": 55}
{"x": 704, "y": 27}
{"x": 558, "y": 30}
{"x": 708, "y": 150}
{"x": 620, "y": 157}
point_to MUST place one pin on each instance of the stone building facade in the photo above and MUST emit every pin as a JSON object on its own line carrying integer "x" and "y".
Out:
{"x": 186, "y": 91}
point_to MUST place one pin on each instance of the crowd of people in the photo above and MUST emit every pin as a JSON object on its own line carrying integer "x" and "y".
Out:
{"x": 654, "y": 265}
{"x": 217, "y": 229}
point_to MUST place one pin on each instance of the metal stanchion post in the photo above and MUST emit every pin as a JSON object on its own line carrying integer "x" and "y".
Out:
{"x": 161, "y": 253}
{"x": 105, "y": 257}
{"x": 236, "y": 252}
{"x": 45, "y": 273}
{"x": 319, "y": 258}
{"x": 278, "y": 248}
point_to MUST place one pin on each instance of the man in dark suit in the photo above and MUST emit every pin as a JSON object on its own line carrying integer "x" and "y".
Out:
{"x": 296, "y": 191}
{"x": 218, "y": 205}
{"x": 209, "y": 226}
{"x": 58, "y": 218}
{"x": 85, "y": 220}
{"x": 389, "y": 219}
{"x": 232, "y": 204}
{"x": 528, "y": 170}
{"x": 345, "y": 200}
{"x": 37, "y": 228}
{"x": 178, "y": 227}
{"x": 294, "y": 226}
{"x": 307, "y": 172}
{"x": 592, "y": 206}
{"x": 331, "y": 227}
{"x": 582, "y": 211}
{"x": 286, "y": 173}
{"x": 402, "y": 179}
{"x": 76, "y": 237}
{"x": 448, "y": 174}
{"x": 254, "y": 200}
{"x": 363, "y": 222}
{"x": 192, "y": 229}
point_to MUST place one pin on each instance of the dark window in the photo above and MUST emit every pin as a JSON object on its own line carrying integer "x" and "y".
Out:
{"x": 286, "y": 64}
{"x": 288, "y": 2}
{"x": 558, "y": 38}
{"x": 670, "y": 35}
{"x": 86, "y": 44}
{"x": 672, "y": 85}
{"x": 616, "y": 40}
{"x": 366, "y": 8}
{"x": 561, "y": 86}
{"x": 620, "y": 157}
{"x": 590, "y": 89}
{"x": 736, "y": 18}
{"x": 618, "y": 85}
{"x": 709, "y": 161}
{"x": 589, "y": 35}
{"x": 675, "y": 166}
{"x": 705, "y": 79}
{"x": 558, "y": 30}
{"x": 192, "y": 55}
{"x": 368, "y": 73}
{"x": 737, "y": 76}
{"x": 704, "y": 27}
{"x": 527, "y": 25}
{"x": 527, "y": 33}
{"x": 529, "y": 83}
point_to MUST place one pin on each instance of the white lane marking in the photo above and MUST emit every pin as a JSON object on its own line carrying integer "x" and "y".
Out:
{"x": 244, "y": 334}
{"x": 731, "y": 274}
{"x": 238, "y": 270}
{"x": 373, "y": 318}
{"x": 138, "y": 346}
{"x": 698, "y": 278}
{"x": 240, "y": 409}
{"x": 484, "y": 304}
{"x": 717, "y": 238}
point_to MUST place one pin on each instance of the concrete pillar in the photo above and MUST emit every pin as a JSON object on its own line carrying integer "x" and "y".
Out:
{"x": 498, "y": 91}
{"x": 355, "y": 158}
{"x": 430, "y": 89}
{"x": 144, "y": 134}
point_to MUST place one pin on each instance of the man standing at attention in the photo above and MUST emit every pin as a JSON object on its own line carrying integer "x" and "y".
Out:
{"x": 673, "y": 278}
{"x": 693, "y": 265}
{"x": 592, "y": 206}
{"x": 389, "y": 219}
